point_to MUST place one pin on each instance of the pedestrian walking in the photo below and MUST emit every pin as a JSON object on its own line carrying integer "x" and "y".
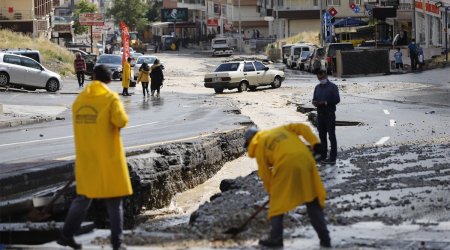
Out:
{"x": 290, "y": 177}
{"x": 398, "y": 56}
{"x": 144, "y": 77}
{"x": 157, "y": 78}
{"x": 420, "y": 57}
{"x": 80, "y": 69}
{"x": 101, "y": 170}
{"x": 325, "y": 98}
{"x": 126, "y": 77}
{"x": 412, "y": 47}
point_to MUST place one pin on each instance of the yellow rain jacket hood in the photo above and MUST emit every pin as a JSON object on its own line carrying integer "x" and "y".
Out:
{"x": 126, "y": 75}
{"x": 287, "y": 167}
{"x": 101, "y": 169}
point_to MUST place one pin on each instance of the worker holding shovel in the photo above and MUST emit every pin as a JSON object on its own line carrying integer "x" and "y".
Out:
{"x": 101, "y": 170}
{"x": 290, "y": 177}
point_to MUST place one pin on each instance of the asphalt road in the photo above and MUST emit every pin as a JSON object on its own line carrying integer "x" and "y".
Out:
{"x": 173, "y": 116}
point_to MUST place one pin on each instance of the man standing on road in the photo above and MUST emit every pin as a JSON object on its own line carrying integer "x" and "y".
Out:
{"x": 290, "y": 177}
{"x": 126, "y": 77}
{"x": 80, "y": 68}
{"x": 101, "y": 170}
{"x": 325, "y": 98}
{"x": 412, "y": 47}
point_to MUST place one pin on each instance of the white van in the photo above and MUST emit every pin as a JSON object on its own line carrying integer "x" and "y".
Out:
{"x": 296, "y": 51}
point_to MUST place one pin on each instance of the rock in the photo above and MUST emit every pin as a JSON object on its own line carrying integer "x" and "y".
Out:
{"x": 228, "y": 184}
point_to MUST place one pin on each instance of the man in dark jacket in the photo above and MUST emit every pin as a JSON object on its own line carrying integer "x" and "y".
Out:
{"x": 80, "y": 69}
{"x": 326, "y": 96}
{"x": 157, "y": 77}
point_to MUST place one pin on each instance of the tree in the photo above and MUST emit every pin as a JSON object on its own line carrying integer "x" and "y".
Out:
{"x": 83, "y": 7}
{"x": 154, "y": 11}
{"x": 129, "y": 11}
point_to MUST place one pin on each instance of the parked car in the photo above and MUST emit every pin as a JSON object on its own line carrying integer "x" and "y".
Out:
{"x": 285, "y": 52}
{"x": 302, "y": 59}
{"x": 33, "y": 54}
{"x": 140, "y": 60}
{"x": 329, "y": 61}
{"x": 243, "y": 75}
{"x": 88, "y": 58}
{"x": 22, "y": 71}
{"x": 113, "y": 62}
{"x": 295, "y": 52}
{"x": 313, "y": 63}
{"x": 134, "y": 57}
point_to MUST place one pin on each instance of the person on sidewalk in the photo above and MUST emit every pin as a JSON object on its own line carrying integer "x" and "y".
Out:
{"x": 412, "y": 47}
{"x": 420, "y": 57}
{"x": 101, "y": 170}
{"x": 325, "y": 98}
{"x": 398, "y": 56}
{"x": 144, "y": 78}
{"x": 126, "y": 77}
{"x": 80, "y": 69}
{"x": 290, "y": 177}
{"x": 157, "y": 77}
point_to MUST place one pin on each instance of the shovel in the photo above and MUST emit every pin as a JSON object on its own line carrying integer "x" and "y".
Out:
{"x": 236, "y": 230}
{"x": 37, "y": 215}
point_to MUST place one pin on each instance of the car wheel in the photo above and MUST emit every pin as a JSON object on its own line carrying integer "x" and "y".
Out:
{"x": 276, "y": 82}
{"x": 52, "y": 85}
{"x": 218, "y": 90}
{"x": 243, "y": 86}
{"x": 4, "y": 79}
{"x": 252, "y": 88}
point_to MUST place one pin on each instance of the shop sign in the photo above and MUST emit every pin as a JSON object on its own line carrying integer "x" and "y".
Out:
{"x": 430, "y": 8}
{"x": 92, "y": 19}
{"x": 212, "y": 22}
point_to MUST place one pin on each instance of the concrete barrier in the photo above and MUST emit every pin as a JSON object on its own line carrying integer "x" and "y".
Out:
{"x": 1, "y": 109}
{"x": 362, "y": 62}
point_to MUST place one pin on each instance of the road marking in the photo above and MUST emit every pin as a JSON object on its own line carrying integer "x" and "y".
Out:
{"x": 64, "y": 137}
{"x": 386, "y": 111}
{"x": 382, "y": 140}
{"x": 71, "y": 157}
{"x": 392, "y": 123}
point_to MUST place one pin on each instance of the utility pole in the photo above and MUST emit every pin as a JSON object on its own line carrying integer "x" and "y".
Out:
{"x": 321, "y": 23}
{"x": 240, "y": 28}
{"x": 446, "y": 34}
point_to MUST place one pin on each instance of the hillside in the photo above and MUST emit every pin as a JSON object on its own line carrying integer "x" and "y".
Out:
{"x": 54, "y": 57}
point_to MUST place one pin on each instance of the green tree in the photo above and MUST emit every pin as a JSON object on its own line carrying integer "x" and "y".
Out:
{"x": 154, "y": 11}
{"x": 130, "y": 11}
{"x": 82, "y": 7}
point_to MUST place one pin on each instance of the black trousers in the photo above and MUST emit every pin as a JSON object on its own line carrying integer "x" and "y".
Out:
{"x": 316, "y": 216}
{"x": 326, "y": 124}
{"x": 145, "y": 88}
{"x": 414, "y": 61}
{"x": 80, "y": 77}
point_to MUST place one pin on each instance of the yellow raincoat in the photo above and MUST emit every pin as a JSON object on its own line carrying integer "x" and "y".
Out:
{"x": 287, "y": 167}
{"x": 126, "y": 75}
{"x": 101, "y": 169}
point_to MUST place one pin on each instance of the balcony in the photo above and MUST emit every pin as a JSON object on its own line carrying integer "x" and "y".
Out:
{"x": 17, "y": 15}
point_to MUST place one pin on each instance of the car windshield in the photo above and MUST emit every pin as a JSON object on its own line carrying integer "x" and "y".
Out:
{"x": 148, "y": 60}
{"x": 110, "y": 59}
{"x": 305, "y": 54}
{"x": 286, "y": 49}
{"x": 220, "y": 42}
{"x": 227, "y": 67}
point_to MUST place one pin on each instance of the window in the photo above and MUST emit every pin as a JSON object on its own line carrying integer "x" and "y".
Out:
{"x": 333, "y": 2}
{"x": 259, "y": 66}
{"x": 227, "y": 67}
{"x": 30, "y": 63}
{"x": 249, "y": 67}
{"x": 356, "y": 2}
{"x": 11, "y": 59}
{"x": 316, "y": 3}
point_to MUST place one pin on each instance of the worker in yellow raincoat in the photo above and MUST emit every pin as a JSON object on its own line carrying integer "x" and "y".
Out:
{"x": 290, "y": 177}
{"x": 101, "y": 170}
{"x": 126, "y": 77}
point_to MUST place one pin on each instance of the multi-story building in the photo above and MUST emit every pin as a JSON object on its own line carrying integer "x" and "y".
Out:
{"x": 28, "y": 16}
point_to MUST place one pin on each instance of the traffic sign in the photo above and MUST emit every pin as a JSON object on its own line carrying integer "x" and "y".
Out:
{"x": 332, "y": 11}
{"x": 91, "y": 19}
{"x": 353, "y": 5}
{"x": 326, "y": 16}
{"x": 356, "y": 9}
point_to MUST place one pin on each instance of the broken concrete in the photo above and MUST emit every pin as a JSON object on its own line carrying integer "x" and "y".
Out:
{"x": 157, "y": 174}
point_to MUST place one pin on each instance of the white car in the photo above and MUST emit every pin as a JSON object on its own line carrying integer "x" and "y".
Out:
{"x": 16, "y": 70}
{"x": 140, "y": 60}
{"x": 243, "y": 75}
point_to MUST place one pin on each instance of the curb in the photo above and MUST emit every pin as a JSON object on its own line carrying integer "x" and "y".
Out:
{"x": 20, "y": 122}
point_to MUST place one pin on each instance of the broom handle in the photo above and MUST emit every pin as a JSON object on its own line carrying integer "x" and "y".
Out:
{"x": 58, "y": 194}
{"x": 261, "y": 208}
